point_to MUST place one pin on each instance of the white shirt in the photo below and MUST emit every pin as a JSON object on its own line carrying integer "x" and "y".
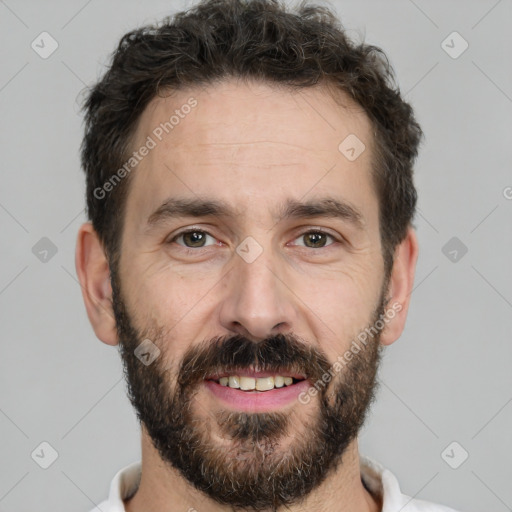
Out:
{"x": 376, "y": 478}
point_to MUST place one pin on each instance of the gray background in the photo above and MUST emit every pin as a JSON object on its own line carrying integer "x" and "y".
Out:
{"x": 447, "y": 379}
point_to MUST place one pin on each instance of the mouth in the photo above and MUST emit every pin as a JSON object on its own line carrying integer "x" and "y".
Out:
{"x": 256, "y": 391}
{"x": 256, "y": 382}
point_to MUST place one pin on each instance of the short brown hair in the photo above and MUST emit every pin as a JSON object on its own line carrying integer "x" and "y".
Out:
{"x": 248, "y": 39}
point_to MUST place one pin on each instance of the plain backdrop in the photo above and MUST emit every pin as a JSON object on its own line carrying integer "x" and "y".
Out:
{"x": 447, "y": 380}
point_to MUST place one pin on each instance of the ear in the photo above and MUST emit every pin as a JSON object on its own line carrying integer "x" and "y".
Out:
{"x": 94, "y": 275}
{"x": 400, "y": 287}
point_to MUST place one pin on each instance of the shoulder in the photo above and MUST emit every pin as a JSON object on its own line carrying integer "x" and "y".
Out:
{"x": 124, "y": 484}
{"x": 383, "y": 483}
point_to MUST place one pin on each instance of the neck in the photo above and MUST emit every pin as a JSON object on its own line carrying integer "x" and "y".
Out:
{"x": 162, "y": 488}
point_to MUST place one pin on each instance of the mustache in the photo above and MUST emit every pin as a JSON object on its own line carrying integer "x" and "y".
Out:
{"x": 229, "y": 353}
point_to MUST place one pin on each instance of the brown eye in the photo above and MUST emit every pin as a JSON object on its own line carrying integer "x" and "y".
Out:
{"x": 315, "y": 239}
{"x": 193, "y": 238}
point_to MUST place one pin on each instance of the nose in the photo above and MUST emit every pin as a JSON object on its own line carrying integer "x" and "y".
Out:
{"x": 258, "y": 302}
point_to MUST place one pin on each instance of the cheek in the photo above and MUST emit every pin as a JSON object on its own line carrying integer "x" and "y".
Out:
{"x": 342, "y": 303}
{"x": 159, "y": 288}
{"x": 171, "y": 305}
{"x": 352, "y": 286}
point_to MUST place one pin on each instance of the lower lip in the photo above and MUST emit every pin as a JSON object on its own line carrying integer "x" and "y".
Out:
{"x": 256, "y": 401}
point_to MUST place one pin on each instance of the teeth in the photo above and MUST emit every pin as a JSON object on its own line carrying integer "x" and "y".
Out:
{"x": 278, "y": 381}
{"x": 247, "y": 383}
{"x": 251, "y": 383}
{"x": 265, "y": 383}
{"x": 234, "y": 382}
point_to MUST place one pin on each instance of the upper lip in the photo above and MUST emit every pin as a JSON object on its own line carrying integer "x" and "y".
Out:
{"x": 255, "y": 374}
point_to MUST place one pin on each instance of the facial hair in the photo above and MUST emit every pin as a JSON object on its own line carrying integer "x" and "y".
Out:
{"x": 249, "y": 461}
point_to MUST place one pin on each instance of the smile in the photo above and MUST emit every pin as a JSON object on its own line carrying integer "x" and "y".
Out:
{"x": 257, "y": 391}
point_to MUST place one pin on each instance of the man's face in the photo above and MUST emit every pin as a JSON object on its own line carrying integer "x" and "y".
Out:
{"x": 288, "y": 301}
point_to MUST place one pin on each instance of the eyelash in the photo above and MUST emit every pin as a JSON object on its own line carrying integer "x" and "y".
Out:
{"x": 195, "y": 249}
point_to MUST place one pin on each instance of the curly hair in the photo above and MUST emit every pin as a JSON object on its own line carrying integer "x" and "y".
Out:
{"x": 248, "y": 39}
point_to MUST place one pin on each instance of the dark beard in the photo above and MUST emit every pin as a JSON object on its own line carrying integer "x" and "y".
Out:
{"x": 245, "y": 465}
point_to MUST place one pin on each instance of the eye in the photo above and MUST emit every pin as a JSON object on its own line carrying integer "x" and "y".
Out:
{"x": 196, "y": 238}
{"x": 192, "y": 238}
{"x": 315, "y": 239}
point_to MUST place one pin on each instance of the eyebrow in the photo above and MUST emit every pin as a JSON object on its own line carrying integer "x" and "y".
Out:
{"x": 328, "y": 207}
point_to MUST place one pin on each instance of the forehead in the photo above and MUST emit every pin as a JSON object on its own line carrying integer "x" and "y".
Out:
{"x": 251, "y": 144}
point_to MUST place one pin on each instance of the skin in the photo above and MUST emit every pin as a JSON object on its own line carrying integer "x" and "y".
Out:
{"x": 253, "y": 146}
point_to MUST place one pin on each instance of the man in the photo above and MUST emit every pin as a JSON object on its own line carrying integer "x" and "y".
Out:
{"x": 249, "y": 186}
